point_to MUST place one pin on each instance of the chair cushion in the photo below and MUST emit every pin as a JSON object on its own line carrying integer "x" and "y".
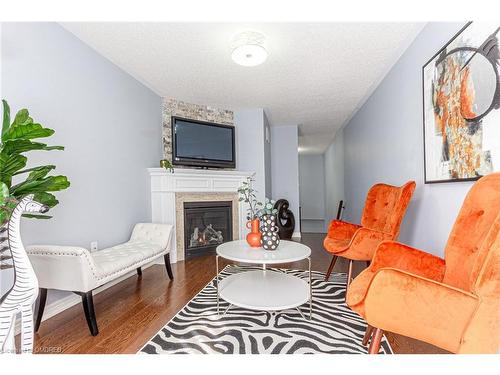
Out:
{"x": 124, "y": 256}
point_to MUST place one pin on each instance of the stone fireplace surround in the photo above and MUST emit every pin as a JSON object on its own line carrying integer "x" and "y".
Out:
{"x": 169, "y": 191}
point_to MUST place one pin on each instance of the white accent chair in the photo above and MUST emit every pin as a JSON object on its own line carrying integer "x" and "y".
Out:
{"x": 78, "y": 270}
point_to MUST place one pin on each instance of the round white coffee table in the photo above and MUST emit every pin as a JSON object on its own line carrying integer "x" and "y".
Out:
{"x": 264, "y": 290}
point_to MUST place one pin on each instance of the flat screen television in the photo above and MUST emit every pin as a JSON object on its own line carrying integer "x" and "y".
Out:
{"x": 202, "y": 144}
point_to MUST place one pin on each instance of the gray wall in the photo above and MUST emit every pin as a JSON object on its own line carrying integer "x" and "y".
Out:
{"x": 250, "y": 149}
{"x": 312, "y": 192}
{"x": 334, "y": 177}
{"x": 285, "y": 166}
{"x": 383, "y": 143}
{"x": 109, "y": 123}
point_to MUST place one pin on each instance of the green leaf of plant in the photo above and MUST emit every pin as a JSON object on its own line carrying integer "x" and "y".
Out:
{"x": 35, "y": 169}
{"x": 4, "y": 193}
{"x": 52, "y": 183}
{"x": 36, "y": 174}
{"x": 18, "y": 146}
{"x": 27, "y": 131}
{"x": 50, "y": 148}
{"x": 46, "y": 199}
{"x": 10, "y": 164}
{"x": 6, "y": 118}
{"x": 40, "y": 172}
{"x": 36, "y": 216}
{"x": 22, "y": 118}
{"x": 4, "y": 216}
{"x": 4, "y": 190}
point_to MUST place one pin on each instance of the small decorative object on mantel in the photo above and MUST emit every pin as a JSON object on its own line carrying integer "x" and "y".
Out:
{"x": 270, "y": 237}
{"x": 285, "y": 221}
{"x": 165, "y": 163}
{"x": 31, "y": 198}
{"x": 247, "y": 195}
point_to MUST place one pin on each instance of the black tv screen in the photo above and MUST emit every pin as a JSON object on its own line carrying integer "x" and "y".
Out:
{"x": 198, "y": 143}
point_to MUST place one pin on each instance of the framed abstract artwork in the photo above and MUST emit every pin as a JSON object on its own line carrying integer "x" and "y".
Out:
{"x": 461, "y": 96}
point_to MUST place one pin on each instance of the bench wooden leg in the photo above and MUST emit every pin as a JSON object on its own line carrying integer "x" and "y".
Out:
{"x": 168, "y": 266}
{"x": 88, "y": 308}
{"x": 139, "y": 271}
{"x": 40, "y": 306}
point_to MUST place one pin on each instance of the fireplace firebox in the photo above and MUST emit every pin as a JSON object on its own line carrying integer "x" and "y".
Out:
{"x": 206, "y": 225}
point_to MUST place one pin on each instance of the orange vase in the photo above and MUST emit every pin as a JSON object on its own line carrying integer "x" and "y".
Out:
{"x": 254, "y": 237}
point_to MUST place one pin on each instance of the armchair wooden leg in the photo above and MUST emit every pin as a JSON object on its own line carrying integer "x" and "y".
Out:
{"x": 349, "y": 277}
{"x": 349, "y": 274}
{"x": 40, "y": 306}
{"x": 368, "y": 335}
{"x": 168, "y": 266}
{"x": 139, "y": 271}
{"x": 88, "y": 308}
{"x": 375, "y": 343}
{"x": 330, "y": 268}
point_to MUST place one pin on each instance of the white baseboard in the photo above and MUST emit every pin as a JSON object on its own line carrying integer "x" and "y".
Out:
{"x": 65, "y": 303}
{"x": 296, "y": 235}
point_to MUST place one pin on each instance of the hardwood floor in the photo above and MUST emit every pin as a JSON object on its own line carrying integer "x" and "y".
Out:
{"x": 131, "y": 312}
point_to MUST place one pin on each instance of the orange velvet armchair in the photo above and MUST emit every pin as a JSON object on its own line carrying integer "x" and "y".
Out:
{"x": 452, "y": 303}
{"x": 383, "y": 213}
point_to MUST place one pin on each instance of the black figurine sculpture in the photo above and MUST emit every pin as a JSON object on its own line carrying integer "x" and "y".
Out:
{"x": 285, "y": 219}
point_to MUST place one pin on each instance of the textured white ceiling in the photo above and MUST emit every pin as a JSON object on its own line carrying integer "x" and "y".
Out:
{"x": 316, "y": 75}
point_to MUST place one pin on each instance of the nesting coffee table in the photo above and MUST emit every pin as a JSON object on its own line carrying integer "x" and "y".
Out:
{"x": 265, "y": 289}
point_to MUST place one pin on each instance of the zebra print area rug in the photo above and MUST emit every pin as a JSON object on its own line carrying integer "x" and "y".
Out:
{"x": 334, "y": 328}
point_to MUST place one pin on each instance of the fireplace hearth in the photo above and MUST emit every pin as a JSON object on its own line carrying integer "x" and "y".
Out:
{"x": 206, "y": 225}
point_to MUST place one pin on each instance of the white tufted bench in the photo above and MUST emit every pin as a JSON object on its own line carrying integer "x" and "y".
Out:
{"x": 78, "y": 270}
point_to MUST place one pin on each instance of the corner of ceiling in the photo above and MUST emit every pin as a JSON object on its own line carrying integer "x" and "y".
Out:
{"x": 67, "y": 28}
{"x": 400, "y": 51}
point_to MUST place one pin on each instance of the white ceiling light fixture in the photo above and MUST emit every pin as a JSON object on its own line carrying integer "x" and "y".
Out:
{"x": 249, "y": 48}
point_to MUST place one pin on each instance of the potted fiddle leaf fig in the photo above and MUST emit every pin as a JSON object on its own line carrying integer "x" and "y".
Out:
{"x": 22, "y": 190}
{"x": 16, "y": 181}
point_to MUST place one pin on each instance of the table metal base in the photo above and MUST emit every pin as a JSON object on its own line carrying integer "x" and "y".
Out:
{"x": 264, "y": 269}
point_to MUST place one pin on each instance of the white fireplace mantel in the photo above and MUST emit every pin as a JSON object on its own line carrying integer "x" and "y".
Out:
{"x": 164, "y": 185}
